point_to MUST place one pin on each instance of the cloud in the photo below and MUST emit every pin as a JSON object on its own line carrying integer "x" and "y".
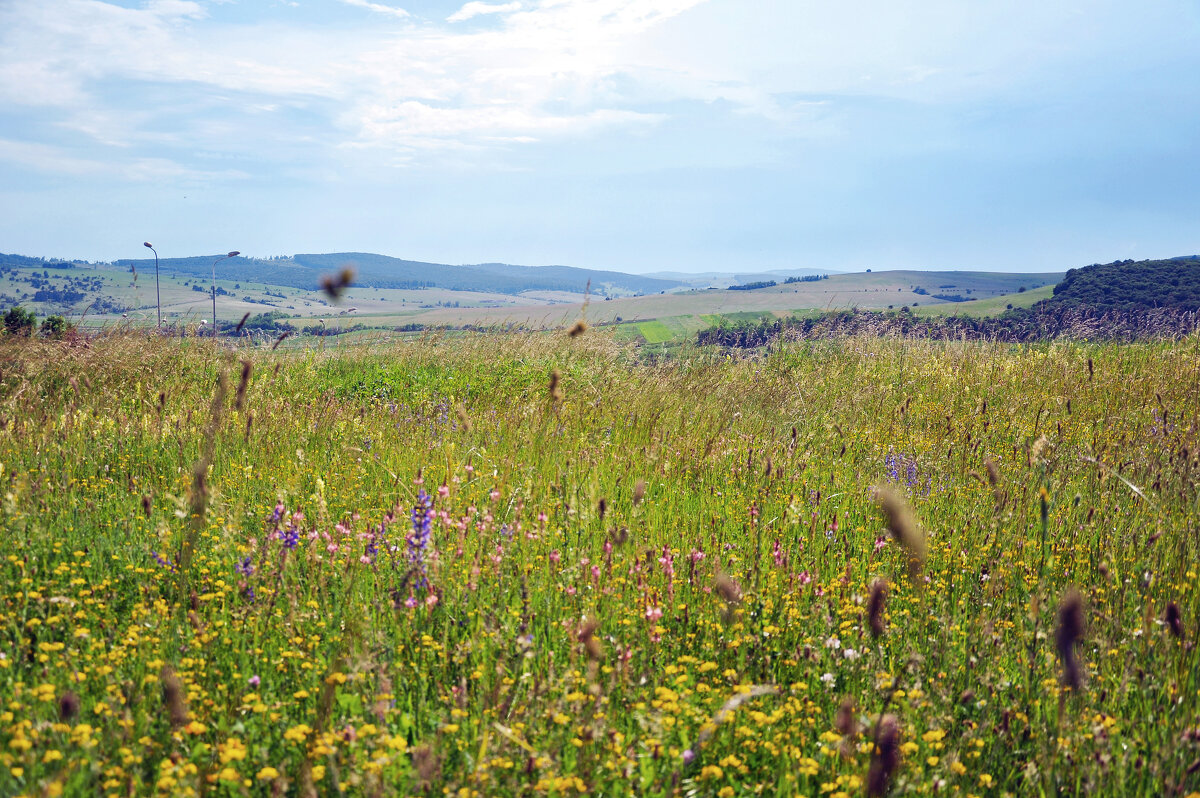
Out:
{"x": 56, "y": 160}
{"x": 474, "y": 9}
{"x": 378, "y": 7}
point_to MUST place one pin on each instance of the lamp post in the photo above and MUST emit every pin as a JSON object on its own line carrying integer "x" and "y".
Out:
{"x": 233, "y": 254}
{"x": 157, "y": 293}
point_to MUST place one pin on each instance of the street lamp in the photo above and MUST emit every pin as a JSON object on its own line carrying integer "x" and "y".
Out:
{"x": 157, "y": 293}
{"x": 233, "y": 254}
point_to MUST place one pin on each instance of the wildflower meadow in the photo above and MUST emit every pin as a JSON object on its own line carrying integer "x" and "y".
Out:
{"x": 541, "y": 565}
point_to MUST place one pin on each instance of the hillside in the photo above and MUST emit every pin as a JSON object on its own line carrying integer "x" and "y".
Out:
{"x": 1128, "y": 285}
{"x": 304, "y": 271}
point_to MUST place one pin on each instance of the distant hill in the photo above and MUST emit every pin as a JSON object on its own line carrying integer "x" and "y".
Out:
{"x": 1126, "y": 285}
{"x": 1123, "y": 300}
{"x": 382, "y": 271}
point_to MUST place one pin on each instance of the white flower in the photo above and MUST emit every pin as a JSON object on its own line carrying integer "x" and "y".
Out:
{"x": 833, "y": 643}
{"x": 851, "y": 654}
{"x": 828, "y": 678}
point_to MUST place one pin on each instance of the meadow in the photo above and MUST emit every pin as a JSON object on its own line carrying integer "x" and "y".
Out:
{"x": 541, "y": 565}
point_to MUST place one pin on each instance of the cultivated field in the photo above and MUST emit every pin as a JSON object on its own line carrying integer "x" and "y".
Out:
{"x": 535, "y": 565}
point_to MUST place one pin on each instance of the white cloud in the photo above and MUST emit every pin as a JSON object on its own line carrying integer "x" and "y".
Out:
{"x": 56, "y": 160}
{"x": 546, "y": 68}
{"x": 378, "y": 7}
{"x": 475, "y": 8}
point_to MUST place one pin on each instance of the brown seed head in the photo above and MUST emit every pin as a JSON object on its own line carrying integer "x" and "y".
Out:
{"x": 586, "y": 634}
{"x": 884, "y": 757}
{"x": 1174, "y": 619}
{"x": 555, "y": 391}
{"x": 993, "y": 471}
{"x": 728, "y": 589}
{"x": 174, "y": 697}
{"x": 243, "y": 384}
{"x": 578, "y": 329}
{"x": 639, "y": 492}
{"x": 68, "y": 706}
{"x": 845, "y": 722}
{"x": 1071, "y": 623}
{"x": 903, "y": 526}
{"x": 876, "y": 604}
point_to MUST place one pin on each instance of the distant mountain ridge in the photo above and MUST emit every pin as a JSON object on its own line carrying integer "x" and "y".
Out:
{"x": 382, "y": 271}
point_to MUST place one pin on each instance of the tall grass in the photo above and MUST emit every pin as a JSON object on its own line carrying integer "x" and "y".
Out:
{"x": 420, "y": 566}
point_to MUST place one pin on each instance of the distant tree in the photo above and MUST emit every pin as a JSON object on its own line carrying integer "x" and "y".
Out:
{"x": 19, "y": 321}
{"x": 55, "y": 327}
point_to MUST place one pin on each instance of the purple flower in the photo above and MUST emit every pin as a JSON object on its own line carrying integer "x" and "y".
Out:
{"x": 244, "y": 567}
{"x": 290, "y": 537}
{"x": 418, "y": 539}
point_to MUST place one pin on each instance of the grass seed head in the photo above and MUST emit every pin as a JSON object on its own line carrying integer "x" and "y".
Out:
{"x": 885, "y": 756}
{"x": 728, "y": 589}
{"x": 993, "y": 472}
{"x": 876, "y": 604}
{"x": 174, "y": 697}
{"x": 577, "y": 329}
{"x": 846, "y": 722}
{"x": 68, "y": 706}
{"x": 1071, "y": 623}
{"x": 903, "y": 525}
{"x": 243, "y": 384}
{"x": 1174, "y": 619}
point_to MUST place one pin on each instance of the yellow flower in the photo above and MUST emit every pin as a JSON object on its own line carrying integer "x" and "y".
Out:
{"x": 195, "y": 727}
{"x": 932, "y": 761}
{"x": 228, "y": 774}
{"x": 985, "y": 780}
{"x": 711, "y": 772}
{"x": 318, "y": 772}
{"x": 267, "y": 774}
{"x": 959, "y": 768}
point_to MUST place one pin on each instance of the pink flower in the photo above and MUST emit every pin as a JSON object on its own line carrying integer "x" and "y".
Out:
{"x": 443, "y": 491}
{"x": 431, "y": 600}
{"x": 555, "y": 557}
{"x": 411, "y": 602}
{"x": 653, "y": 614}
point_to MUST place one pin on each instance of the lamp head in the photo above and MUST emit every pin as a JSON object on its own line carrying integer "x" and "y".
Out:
{"x": 233, "y": 254}
{"x": 148, "y": 245}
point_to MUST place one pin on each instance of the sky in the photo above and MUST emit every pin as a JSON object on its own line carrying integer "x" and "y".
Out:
{"x": 637, "y": 135}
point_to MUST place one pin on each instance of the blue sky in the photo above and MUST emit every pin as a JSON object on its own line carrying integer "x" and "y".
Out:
{"x": 637, "y": 135}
